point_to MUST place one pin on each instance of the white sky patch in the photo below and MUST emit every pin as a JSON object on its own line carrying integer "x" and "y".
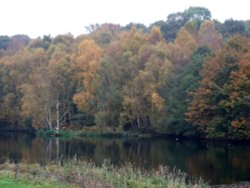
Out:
{"x": 41, "y": 17}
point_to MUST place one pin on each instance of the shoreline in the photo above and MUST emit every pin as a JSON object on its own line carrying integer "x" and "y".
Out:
{"x": 82, "y": 133}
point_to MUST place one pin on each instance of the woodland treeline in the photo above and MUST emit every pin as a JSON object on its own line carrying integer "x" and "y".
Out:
{"x": 188, "y": 75}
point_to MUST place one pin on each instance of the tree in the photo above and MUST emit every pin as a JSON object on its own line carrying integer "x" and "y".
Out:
{"x": 247, "y": 26}
{"x": 4, "y": 43}
{"x": 176, "y": 21}
{"x": 118, "y": 66}
{"x": 15, "y": 71}
{"x": 198, "y": 13}
{"x": 155, "y": 35}
{"x": 17, "y": 42}
{"x": 62, "y": 84}
{"x": 143, "y": 104}
{"x": 87, "y": 61}
{"x": 208, "y": 36}
{"x": 172, "y": 25}
{"x": 182, "y": 82}
{"x": 238, "y": 103}
{"x": 231, "y": 27}
{"x": 35, "y": 93}
{"x": 47, "y": 94}
{"x": 182, "y": 48}
{"x": 208, "y": 109}
{"x": 192, "y": 27}
{"x": 138, "y": 26}
{"x": 104, "y": 33}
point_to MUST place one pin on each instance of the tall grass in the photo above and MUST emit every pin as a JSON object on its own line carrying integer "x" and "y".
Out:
{"x": 78, "y": 173}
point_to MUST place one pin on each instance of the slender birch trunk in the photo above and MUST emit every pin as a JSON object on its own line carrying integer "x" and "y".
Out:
{"x": 57, "y": 115}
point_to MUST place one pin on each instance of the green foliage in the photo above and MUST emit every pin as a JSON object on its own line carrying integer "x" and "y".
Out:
{"x": 198, "y": 13}
{"x": 231, "y": 27}
{"x": 4, "y": 42}
{"x": 176, "y": 21}
{"x": 184, "y": 81}
{"x": 247, "y": 25}
{"x": 138, "y": 26}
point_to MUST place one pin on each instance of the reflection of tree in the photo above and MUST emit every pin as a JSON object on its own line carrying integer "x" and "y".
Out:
{"x": 21, "y": 148}
{"x": 48, "y": 151}
{"x": 56, "y": 148}
{"x": 221, "y": 164}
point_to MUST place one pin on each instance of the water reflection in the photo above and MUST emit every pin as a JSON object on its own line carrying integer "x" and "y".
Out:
{"x": 220, "y": 163}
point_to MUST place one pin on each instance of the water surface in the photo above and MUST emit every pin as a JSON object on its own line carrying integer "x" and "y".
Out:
{"x": 220, "y": 163}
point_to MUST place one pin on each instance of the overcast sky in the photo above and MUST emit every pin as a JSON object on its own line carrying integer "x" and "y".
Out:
{"x": 41, "y": 17}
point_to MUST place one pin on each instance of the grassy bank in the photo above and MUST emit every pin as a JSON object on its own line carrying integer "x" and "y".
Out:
{"x": 10, "y": 182}
{"x": 84, "y": 174}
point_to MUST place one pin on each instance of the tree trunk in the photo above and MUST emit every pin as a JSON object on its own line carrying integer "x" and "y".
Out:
{"x": 68, "y": 104}
{"x": 48, "y": 118}
{"x": 148, "y": 123}
{"x": 48, "y": 151}
{"x": 57, "y": 115}
{"x": 138, "y": 122}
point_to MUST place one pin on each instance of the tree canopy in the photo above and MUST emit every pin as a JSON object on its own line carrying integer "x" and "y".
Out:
{"x": 188, "y": 75}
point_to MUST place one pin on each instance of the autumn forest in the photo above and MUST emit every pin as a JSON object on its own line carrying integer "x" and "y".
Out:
{"x": 187, "y": 75}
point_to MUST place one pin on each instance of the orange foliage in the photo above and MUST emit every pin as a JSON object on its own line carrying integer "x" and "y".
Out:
{"x": 225, "y": 87}
{"x": 182, "y": 48}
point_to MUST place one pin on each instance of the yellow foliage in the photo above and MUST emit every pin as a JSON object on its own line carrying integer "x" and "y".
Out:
{"x": 82, "y": 100}
{"x": 155, "y": 35}
{"x": 157, "y": 101}
{"x": 87, "y": 62}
